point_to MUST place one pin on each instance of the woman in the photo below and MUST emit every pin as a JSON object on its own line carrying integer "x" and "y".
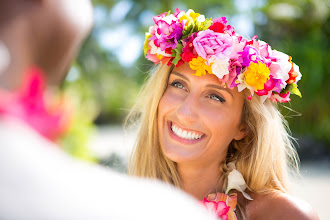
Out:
{"x": 209, "y": 122}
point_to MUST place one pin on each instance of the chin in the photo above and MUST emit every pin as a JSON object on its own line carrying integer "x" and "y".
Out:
{"x": 182, "y": 154}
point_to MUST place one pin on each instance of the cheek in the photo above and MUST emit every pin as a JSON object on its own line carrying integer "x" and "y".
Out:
{"x": 222, "y": 122}
{"x": 168, "y": 103}
{"x": 164, "y": 107}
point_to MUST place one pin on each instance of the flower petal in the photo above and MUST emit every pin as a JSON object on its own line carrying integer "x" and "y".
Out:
{"x": 236, "y": 181}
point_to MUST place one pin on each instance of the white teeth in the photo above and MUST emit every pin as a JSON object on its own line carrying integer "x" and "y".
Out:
{"x": 185, "y": 134}
{"x": 180, "y": 132}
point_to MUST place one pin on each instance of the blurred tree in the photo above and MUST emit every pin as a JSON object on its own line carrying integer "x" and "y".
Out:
{"x": 301, "y": 29}
{"x": 297, "y": 27}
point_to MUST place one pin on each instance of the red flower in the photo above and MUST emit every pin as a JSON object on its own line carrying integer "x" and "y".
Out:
{"x": 187, "y": 56}
{"x": 217, "y": 27}
{"x": 292, "y": 74}
{"x": 220, "y": 25}
{"x": 179, "y": 63}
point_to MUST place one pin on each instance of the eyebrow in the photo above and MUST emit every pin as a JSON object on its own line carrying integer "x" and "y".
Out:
{"x": 181, "y": 75}
{"x": 221, "y": 88}
{"x": 208, "y": 85}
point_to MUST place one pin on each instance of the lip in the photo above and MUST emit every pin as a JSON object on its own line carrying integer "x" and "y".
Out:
{"x": 182, "y": 140}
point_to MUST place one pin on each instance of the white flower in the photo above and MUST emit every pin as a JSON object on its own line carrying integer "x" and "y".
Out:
{"x": 236, "y": 181}
{"x": 190, "y": 11}
{"x": 220, "y": 67}
{"x": 284, "y": 66}
{"x": 201, "y": 18}
{"x": 296, "y": 69}
{"x": 169, "y": 18}
{"x": 156, "y": 50}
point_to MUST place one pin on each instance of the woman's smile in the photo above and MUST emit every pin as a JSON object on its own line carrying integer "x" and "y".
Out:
{"x": 184, "y": 135}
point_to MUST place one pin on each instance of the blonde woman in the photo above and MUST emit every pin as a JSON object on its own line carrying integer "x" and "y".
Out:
{"x": 209, "y": 122}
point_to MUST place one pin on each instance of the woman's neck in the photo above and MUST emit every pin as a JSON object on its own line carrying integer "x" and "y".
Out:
{"x": 200, "y": 181}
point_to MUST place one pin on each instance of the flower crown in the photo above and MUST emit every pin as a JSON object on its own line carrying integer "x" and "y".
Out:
{"x": 213, "y": 46}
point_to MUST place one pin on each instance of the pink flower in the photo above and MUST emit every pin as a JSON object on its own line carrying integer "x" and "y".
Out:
{"x": 166, "y": 31}
{"x": 29, "y": 105}
{"x": 220, "y": 208}
{"x": 210, "y": 44}
{"x": 278, "y": 97}
{"x": 254, "y": 43}
{"x": 250, "y": 54}
{"x": 220, "y": 25}
{"x": 152, "y": 57}
{"x": 188, "y": 51}
{"x": 264, "y": 49}
{"x": 234, "y": 70}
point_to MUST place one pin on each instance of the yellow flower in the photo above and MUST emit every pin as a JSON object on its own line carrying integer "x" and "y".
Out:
{"x": 194, "y": 15}
{"x": 199, "y": 64}
{"x": 191, "y": 17}
{"x": 187, "y": 17}
{"x": 257, "y": 75}
{"x": 159, "y": 56}
{"x": 146, "y": 44}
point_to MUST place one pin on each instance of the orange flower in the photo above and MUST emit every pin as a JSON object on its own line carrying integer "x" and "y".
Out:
{"x": 257, "y": 75}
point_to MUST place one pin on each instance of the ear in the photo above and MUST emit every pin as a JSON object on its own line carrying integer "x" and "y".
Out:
{"x": 240, "y": 134}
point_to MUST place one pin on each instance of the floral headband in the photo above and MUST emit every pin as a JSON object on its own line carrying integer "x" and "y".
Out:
{"x": 212, "y": 46}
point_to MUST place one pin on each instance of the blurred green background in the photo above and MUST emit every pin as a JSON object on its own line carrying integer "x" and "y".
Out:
{"x": 110, "y": 68}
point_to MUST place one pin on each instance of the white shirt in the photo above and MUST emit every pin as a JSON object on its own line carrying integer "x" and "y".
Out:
{"x": 39, "y": 181}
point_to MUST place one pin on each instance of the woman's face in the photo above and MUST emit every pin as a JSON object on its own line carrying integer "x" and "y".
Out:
{"x": 197, "y": 117}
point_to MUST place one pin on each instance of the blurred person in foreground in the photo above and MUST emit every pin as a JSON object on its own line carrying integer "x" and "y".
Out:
{"x": 209, "y": 122}
{"x": 38, "y": 40}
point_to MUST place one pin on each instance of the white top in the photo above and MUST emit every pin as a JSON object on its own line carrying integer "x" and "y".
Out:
{"x": 39, "y": 181}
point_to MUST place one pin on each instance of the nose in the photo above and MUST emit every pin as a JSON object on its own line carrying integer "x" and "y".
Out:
{"x": 188, "y": 110}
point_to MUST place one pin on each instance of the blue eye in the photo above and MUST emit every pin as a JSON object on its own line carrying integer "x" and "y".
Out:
{"x": 177, "y": 85}
{"x": 217, "y": 98}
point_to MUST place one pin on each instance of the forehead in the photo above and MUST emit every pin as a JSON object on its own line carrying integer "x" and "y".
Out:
{"x": 186, "y": 71}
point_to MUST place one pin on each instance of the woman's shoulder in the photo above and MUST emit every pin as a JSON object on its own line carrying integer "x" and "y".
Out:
{"x": 278, "y": 205}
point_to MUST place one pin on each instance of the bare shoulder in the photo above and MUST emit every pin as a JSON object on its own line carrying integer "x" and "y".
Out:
{"x": 280, "y": 206}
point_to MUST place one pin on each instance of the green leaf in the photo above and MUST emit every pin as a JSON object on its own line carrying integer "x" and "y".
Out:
{"x": 187, "y": 31}
{"x": 206, "y": 24}
{"x": 294, "y": 89}
{"x": 177, "y": 54}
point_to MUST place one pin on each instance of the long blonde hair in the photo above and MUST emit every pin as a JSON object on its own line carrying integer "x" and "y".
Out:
{"x": 263, "y": 156}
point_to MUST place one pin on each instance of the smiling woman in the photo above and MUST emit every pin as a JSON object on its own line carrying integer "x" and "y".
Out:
{"x": 209, "y": 122}
{"x": 189, "y": 114}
